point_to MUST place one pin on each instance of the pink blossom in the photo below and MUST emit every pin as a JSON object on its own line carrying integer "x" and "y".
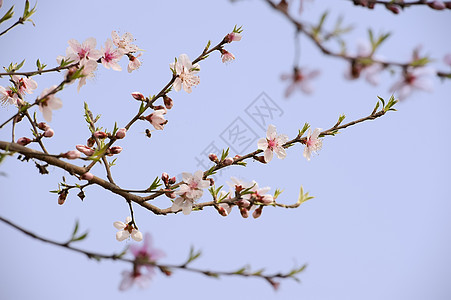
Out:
{"x": 111, "y": 56}
{"x": 371, "y": 70}
{"x": 413, "y": 79}
{"x": 157, "y": 119}
{"x": 273, "y": 143}
{"x": 300, "y": 79}
{"x": 79, "y": 52}
{"x": 185, "y": 71}
{"x": 115, "y": 150}
{"x": 312, "y": 144}
{"x": 7, "y": 96}
{"x": 146, "y": 253}
{"x": 126, "y": 230}
{"x": 89, "y": 67}
{"x": 124, "y": 42}
{"x": 190, "y": 190}
{"x": 134, "y": 63}
{"x": 24, "y": 84}
{"x": 259, "y": 194}
{"x": 49, "y": 103}
{"x": 226, "y": 56}
{"x": 135, "y": 276}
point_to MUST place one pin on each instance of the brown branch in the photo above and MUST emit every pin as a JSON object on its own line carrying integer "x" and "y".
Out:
{"x": 39, "y": 72}
{"x": 165, "y": 268}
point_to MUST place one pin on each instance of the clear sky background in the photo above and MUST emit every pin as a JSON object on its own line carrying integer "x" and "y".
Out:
{"x": 378, "y": 227}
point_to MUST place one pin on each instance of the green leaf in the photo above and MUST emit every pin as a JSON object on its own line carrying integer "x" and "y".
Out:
{"x": 304, "y": 129}
{"x": 303, "y": 197}
{"x": 155, "y": 184}
{"x": 8, "y": 15}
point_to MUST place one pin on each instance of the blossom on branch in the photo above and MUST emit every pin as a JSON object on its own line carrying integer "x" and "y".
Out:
{"x": 111, "y": 56}
{"x": 124, "y": 42}
{"x": 157, "y": 119}
{"x": 190, "y": 190}
{"x": 49, "y": 103}
{"x": 134, "y": 63}
{"x": 226, "y": 56}
{"x": 126, "y": 230}
{"x": 185, "y": 71}
{"x": 413, "y": 79}
{"x": 312, "y": 144}
{"x": 24, "y": 84}
{"x": 273, "y": 143}
{"x": 299, "y": 79}
{"x": 81, "y": 52}
{"x": 7, "y": 96}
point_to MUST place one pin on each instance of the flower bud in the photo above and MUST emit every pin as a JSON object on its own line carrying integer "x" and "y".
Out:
{"x": 87, "y": 176}
{"x": 115, "y": 150}
{"x": 85, "y": 150}
{"x": 49, "y": 133}
{"x": 62, "y": 196}
{"x": 158, "y": 107}
{"x": 168, "y": 103}
{"x": 243, "y": 203}
{"x": 438, "y": 5}
{"x": 73, "y": 154}
{"x": 90, "y": 142}
{"x": 43, "y": 126}
{"x": 165, "y": 178}
{"x": 172, "y": 180}
{"x": 244, "y": 212}
{"x": 23, "y": 141}
{"x": 393, "y": 8}
{"x": 233, "y": 36}
{"x": 213, "y": 157}
{"x": 228, "y": 161}
{"x": 120, "y": 134}
{"x": 138, "y": 96}
{"x": 171, "y": 195}
{"x": 222, "y": 211}
{"x": 257, "y": 212}
{"x": 100, "y": 134}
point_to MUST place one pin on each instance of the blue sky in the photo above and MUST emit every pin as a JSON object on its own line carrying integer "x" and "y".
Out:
{"x": 378, "y": 226}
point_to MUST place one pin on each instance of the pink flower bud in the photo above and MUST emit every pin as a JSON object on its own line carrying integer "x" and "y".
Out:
{"x": 85, "y": 150}
{"x": 100, "y": 134}
{"x": 49, "y": 133}
{"x": 120, "y": 134}
{"x": 115, "y": 150}
{"x": 222, "y": 211}
{"x": 257, "y": 212}
{"x": 87, "y": 176}
{"x": 213, "y": 157}
{"x": 73, "y": 154}
{"x": 172, "y": 180}
{"x": 226, "y": 56}
{"x": 165, "y": 178}
{"x": 23, "y": 141}
{"x": 244, "y": 212}
{"x": 171, "y": 195}
{"x": 43, "y": 126}
{"x": 233, "y": 36}
{"x": 393, "y": 8}
{"x": 243, "y": 203}
{"x": 168, "y": 103}
{"x": 138, "y": 96}
{"x": 228, "y": 161}
{"x": 438, "y": 5}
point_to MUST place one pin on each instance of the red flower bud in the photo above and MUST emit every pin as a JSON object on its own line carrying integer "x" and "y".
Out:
{"x": 49, "y": 133}
{"x": 168, "y": 103}
{"x": 244, "y": 212}
{"x": 228, "y": 161}
{"x": 120, "y": 134}
{"x": 87, "y": 176}
{"x": 23, "y": 141}
{"x": 100, "y": 134}
{"x": 213, "y": 157}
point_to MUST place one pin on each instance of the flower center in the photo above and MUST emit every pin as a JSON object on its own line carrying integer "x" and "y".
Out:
{"x": 272, "y": 144}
